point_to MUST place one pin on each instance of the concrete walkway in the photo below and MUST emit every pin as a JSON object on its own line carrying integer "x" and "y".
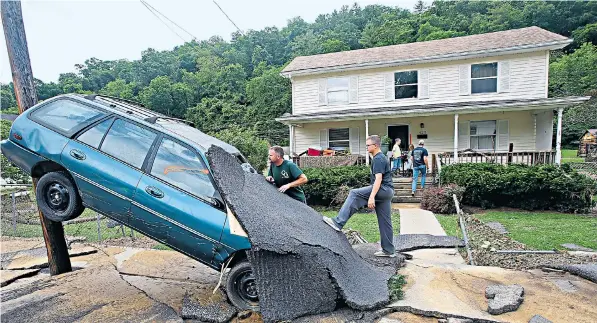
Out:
{"x": 418, "y": 221}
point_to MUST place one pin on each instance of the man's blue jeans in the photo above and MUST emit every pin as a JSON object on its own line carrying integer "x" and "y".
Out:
{"x": 397, "y": 163}
{"x": 416, "y": 170}
{"x": 358, "y": 198}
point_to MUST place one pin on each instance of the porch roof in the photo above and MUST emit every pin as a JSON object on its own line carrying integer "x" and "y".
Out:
{"x": 434, "y": 109}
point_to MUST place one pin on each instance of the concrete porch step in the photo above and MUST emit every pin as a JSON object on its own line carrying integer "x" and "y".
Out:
{"x": 406, "y": 199}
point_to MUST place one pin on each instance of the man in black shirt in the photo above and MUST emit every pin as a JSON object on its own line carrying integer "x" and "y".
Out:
{"x": 376, "y": 196}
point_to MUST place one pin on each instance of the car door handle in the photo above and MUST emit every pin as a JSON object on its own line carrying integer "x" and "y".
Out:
{"x": 155, "y": 192}
{"x": 77, "y": 154}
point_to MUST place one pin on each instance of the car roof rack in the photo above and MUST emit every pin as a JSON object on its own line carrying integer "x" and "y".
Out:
{"x": 153, "y": 120}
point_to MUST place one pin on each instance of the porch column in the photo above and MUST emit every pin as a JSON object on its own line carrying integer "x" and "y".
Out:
{"x": 559, "y": 138}
{"x": 291, "y": 148}
{"x": 366, "y": 136}
{"x": 456, "y": 138}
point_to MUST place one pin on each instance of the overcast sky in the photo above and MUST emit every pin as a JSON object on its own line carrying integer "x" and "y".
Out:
{"x": 61, "y": 34}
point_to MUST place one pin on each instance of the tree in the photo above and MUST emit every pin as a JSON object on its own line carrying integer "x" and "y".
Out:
{"x": 574, "y": 74}
{"x": 119, "y": 88}
{"x": 158, "y": 96}
{"x": 216, "y": 114}
{"x": 585, "y": 34}
{"x": 7, "y": 98}
{"x": 252, "y": 147}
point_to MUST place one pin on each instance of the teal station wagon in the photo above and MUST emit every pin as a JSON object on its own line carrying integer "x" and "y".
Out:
{"x": 138, "y": 167}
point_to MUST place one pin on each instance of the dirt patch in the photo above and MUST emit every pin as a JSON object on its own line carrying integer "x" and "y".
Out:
{"x": 484, "y": 241}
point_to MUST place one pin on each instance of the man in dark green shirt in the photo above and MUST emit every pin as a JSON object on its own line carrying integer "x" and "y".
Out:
{"x": 286, "y": 175}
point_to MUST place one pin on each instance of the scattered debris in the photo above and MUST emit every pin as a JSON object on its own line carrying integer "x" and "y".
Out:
{"x": 454, "y": 320}
{"x": 354, "y": 237}
{"x": 526, "y": 251}
{"x": 408, "y": 242}
{"x": 211, "y": 311}
{"x": 586, "y": 271}
{"x": 301, "y": 264}
{"x": 503, "y": 299}
{"x": 539, "y": 319}
{"x": 479, "y": 233}
{"x": 497, "y": 227}
{"x": 575, "y": 247}
{"x": 9, "y": 276}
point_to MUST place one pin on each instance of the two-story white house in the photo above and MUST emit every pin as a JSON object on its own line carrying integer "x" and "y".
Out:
{"x": 486, "y": 92}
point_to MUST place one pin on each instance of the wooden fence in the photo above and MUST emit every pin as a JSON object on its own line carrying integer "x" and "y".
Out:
{"x": 521, "y": 157}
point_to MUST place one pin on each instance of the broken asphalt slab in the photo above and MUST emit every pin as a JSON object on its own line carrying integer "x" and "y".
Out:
{"x": 497, "y": 227}
{"x": 9, "y": 276}
{"x": 575, "y": 247}
{"x": 539, "y": 319}
{"x": 458, "y": 291}
{"x": 215, "y": 310}
{"x": 586, "y": 271}
{"x": 290, "y": 233}
{"x": 503, "y": 298}
{"x": 409, "y": 242}
{"x": 38, "y": 257}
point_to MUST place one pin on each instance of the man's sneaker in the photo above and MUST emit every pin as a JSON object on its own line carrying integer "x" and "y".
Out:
{"x": 412, "y": 194}
{"x": 331, "y": 223}
{"x": 382, "y": 253}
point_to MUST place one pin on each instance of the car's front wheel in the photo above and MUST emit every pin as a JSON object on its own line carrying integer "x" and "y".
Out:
{"x": 57, "y": 197}
{"x": 242, "y": 288}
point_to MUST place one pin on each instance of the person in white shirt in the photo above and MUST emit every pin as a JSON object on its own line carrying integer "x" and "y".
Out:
{"x": 397, "y": 155}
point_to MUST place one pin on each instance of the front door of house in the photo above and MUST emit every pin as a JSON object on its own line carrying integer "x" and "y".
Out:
{"x": 399, "y": 131}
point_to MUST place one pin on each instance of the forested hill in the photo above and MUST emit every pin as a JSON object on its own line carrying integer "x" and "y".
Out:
{"x": 233, "y": 88}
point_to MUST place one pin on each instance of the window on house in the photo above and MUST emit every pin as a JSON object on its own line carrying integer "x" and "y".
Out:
{"x": 484, "y": 78}
{"x": 406, "y": 84}
{"x": 339, "y": 139}
{"x": 337, "y": 90}
{"x": 483, "y": 135}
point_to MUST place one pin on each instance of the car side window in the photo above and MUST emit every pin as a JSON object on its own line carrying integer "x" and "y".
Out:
{"x": 180, "y": 166}
{"x": 66, "y": 115}
{"x": 93, "y": 136}
{"x": 128, "y": 142}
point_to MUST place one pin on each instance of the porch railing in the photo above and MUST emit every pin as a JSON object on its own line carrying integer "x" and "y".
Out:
{"x": 505, "y": 158}
{"x": 328, "y": 161}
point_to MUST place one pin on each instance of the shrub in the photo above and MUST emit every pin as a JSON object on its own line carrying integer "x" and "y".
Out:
{"x": 541, "y": 187}
{"x": 324, "y": 183}
{"x": 440, "y": 200}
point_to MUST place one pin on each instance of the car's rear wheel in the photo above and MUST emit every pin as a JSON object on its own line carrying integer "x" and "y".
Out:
{"x": 57, "y": 197}
{"x": 241, "y": 287}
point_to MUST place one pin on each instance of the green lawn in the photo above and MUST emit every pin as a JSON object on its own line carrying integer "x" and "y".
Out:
{"x": 569, "y": 156}
{"x": 366, "y": 224}
{"x": 450, "y": 224}
{"x": 538, "y": 230}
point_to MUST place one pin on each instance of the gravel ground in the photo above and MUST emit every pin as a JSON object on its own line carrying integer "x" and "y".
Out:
{"x": 483, "y": 240}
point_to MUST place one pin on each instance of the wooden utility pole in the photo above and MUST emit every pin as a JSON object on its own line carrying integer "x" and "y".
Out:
{"x": 22, "y": 77}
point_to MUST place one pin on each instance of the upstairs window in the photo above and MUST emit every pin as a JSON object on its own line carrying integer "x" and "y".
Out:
{"x": 337, "y": 90}
{"x": 484, "y": 78}
{"x": 406, "y": 84}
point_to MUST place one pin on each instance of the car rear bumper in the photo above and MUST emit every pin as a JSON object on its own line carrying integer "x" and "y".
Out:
{"x": 19, "y": 156}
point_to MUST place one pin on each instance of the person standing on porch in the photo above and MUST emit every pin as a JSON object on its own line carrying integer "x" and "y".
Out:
{"x": 376, "y": 196}
{"x": 420, "y": 164}
{"x": 397, "y": 154}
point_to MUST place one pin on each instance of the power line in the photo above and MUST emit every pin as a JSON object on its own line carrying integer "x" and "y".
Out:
{"x": 170, "y": 20}
{"x": 222, "y": 10}
{"x": 172, "y": 30}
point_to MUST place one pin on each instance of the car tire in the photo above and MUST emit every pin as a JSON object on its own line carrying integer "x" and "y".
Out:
{"x": 57, "y": 197}
{"x": 241, "y": 287}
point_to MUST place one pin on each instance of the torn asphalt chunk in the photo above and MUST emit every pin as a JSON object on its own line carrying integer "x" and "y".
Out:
{"x": 503, "y": 299}
{"x": 284, "y": 231}
{"x": 408, "y": 242}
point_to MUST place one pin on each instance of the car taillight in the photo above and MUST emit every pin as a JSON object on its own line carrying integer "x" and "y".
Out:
{"x": 17, "y": 136}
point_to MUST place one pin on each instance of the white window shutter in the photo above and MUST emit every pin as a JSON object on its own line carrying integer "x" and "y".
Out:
{"x": 504, "y": 76}
{"x": 355, "y": 142}
{"x": 353, "y": 89}
{"x": 323, "y": 138}
{"x": 464, "y": 141}
{"x": 503, "y": 135}
{"x": 389, "y": 87}
{"x": 323, "y": 91}
{"x": 423, "y": 88}
{"x": 464, "y": 79}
